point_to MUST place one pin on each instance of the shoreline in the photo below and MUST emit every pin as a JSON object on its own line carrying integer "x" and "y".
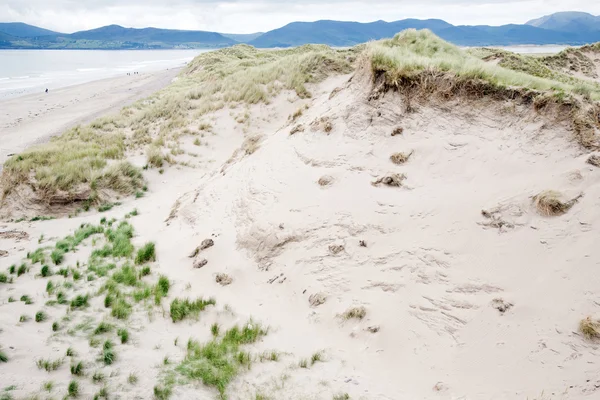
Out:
{"x": 34, "y": 118}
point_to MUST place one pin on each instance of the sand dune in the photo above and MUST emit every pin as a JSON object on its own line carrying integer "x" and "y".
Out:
{"x": 449, "y": 274}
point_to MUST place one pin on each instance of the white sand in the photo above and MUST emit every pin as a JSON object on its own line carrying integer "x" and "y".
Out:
{"x": 428, "y": 276}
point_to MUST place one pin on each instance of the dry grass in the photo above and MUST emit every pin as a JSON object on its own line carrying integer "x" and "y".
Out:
{"x": 551, "y": 203}
{"x": 594, "y": 160}
{"x": 223, "y": 279}
{"x": 590, "y": 328}
{"x": 79, "y": 160}
{"x": 393, "y": 180}
{"x": 251, "y": 144}
{"x": 326, "y": 180}
{"x": 400, "y": 158}
{"x": 355, "y": 313}
{"x": 296, "y": 129}
{"x": 317, "y": 299}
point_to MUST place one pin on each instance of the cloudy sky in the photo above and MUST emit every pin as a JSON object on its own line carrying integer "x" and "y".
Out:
{"x": 246, "y": 16}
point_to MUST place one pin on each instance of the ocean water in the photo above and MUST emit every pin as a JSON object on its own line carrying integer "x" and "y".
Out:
{"x": 29, "y": 71}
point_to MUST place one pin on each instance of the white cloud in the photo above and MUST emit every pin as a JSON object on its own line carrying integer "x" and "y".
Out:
{"x": 239, "y": 16}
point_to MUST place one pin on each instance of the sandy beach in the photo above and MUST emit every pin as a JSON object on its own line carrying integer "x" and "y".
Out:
{"x": 338, "y": 239}
{"x": 35, "y": 118}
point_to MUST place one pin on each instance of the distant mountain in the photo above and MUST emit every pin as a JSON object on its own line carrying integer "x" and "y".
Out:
{"x": 575, "y": 22}
{"x": 569, "y": 28}
{"x": 339, "y": 33}
{"x": 116, "y": 33}
{"x": 20, "y": 29}
{"x": 336, "y": 33}
{"x": 115, "y": 37}
{"x": 243, "y": 37}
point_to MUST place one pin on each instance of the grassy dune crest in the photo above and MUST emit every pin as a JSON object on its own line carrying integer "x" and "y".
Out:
{"x": 420, "y": 64}
{"x": 76, "y": 165}
{"x": 412, "y": 52}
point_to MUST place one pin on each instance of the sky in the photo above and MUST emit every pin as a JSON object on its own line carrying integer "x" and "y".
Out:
{"x": 247, "y": 16}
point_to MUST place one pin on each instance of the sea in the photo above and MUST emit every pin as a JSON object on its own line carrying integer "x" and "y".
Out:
{"x": 24, "y": 72}
{"x": 33, "y": 71}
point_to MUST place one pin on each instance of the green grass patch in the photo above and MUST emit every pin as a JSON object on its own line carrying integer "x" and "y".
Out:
{"x": 3, "y": 356}
{"x": 57, "y": 256}
{"x": 22, "y": 269}
{"x": 40, "y": 316}
{"x": 26, "y": 299}
{"x": 107, "y": 206}
{"x": 103, "y": 327}
{"x": 217, "y": 362}
{"x": 123, "y": 335}
{"x": 73, "y": 388}
{"x": 3, "y": 278}
{"x": 50, "y": 365}
{"x": 80, "y": 301}
{"x": 71, "y": 242}
{"x": 77, "y": 368}
{"x": 142, "y": 294}
{"x": 132, "y": 379}
{"x": 162, "y": 392}
{"x": 108, "y": 353}
{"x": 37, "y": 256}
{"x": 46, "y": 271}
{"x": 146, "y": 254}
{"x": 121, "y": 309}
{"x": 98, "y": 377}
{"x": 185, "y": 308}
{"x": 127, "y": 275}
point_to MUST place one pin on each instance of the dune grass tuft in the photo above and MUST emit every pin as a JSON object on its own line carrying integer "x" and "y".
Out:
{"x": 103, "y": 327}
{"x": 49, "y": 365}
{"x": 77, "y": 369}
{"x": 123, "y": 335}
{"x": 162, "y": 392}
{"x": 108, "y": 353}
{"x": 182, "y": 309}
{"x": 73, "y": 388}
{"x": 590, "y": 328}
{"x": 400, "y": 158}
{"x": 355, "y": 313}
{"x": 41, "y": 316}
{"x": 551, "y": 203}
{"x": 80, "y": 301}
{"x": 217, "y": 362}
{"x": 412, "y": 52}
{"x": 146, "y": 254}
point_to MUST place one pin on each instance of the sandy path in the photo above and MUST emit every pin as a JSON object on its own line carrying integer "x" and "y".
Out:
{"x": 35, "y": 118}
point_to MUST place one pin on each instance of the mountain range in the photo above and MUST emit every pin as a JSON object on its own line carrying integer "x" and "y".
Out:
{"x": 570, "y": 28}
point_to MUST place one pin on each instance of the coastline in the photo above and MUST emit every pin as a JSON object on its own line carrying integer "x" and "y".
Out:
{"x": 34, "y": 118}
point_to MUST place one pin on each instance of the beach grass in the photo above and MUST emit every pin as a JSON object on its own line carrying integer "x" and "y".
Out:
{"x": 412, "y": 52}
